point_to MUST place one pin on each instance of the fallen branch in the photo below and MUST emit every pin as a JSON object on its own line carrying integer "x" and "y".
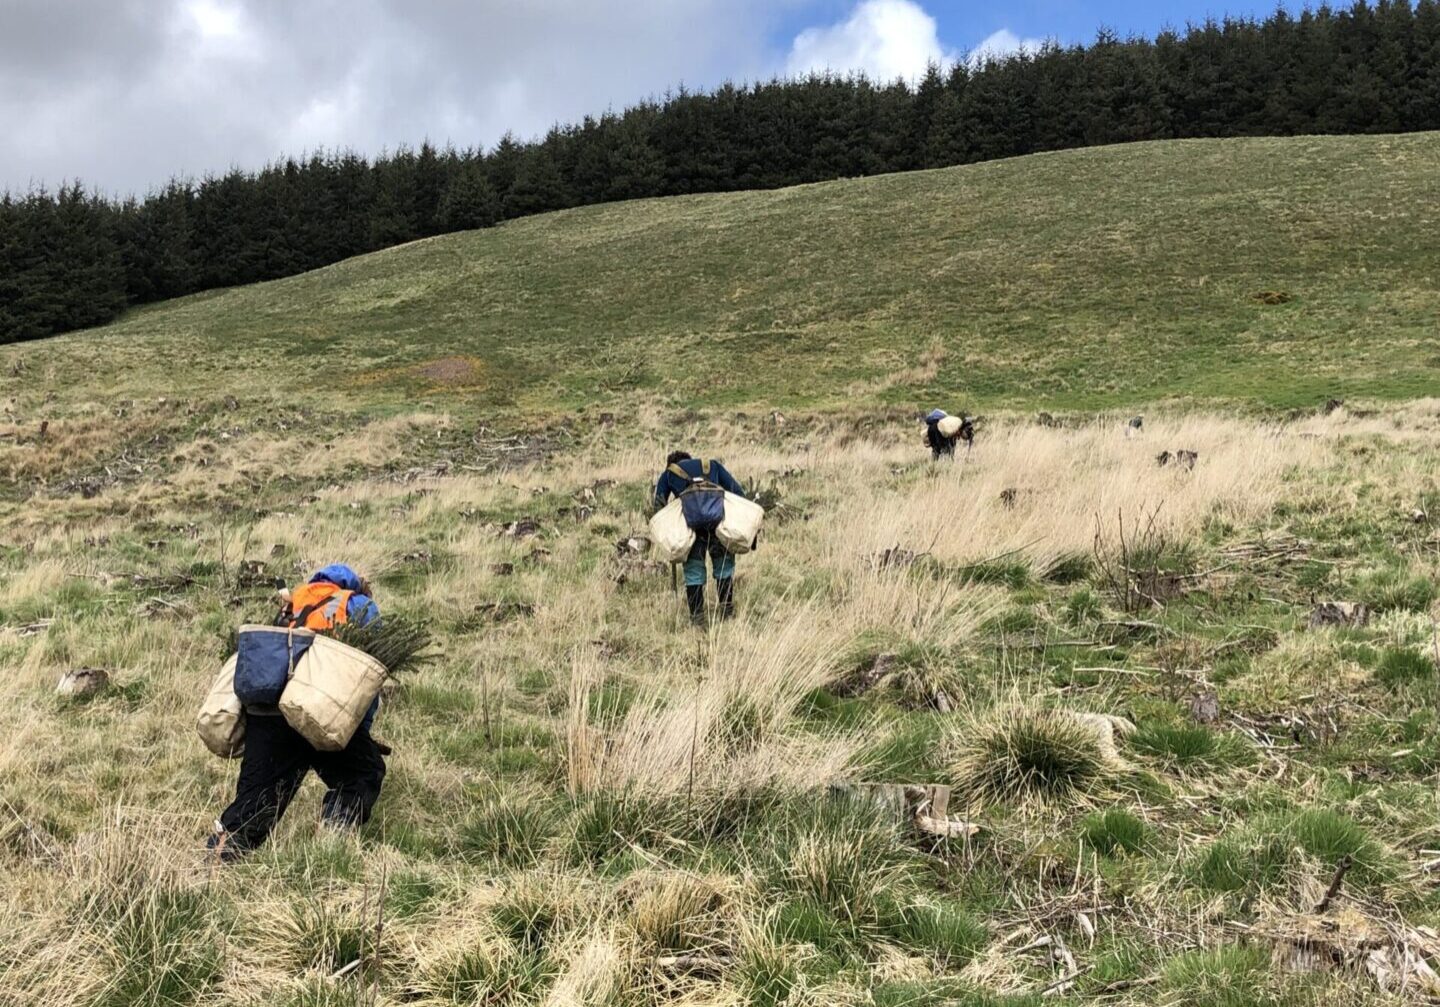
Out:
{"x": 1346, "y": 862}
{"x": 946, "y": 828}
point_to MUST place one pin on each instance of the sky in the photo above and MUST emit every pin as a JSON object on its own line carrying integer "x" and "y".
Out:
{"x": 125, "y": 94}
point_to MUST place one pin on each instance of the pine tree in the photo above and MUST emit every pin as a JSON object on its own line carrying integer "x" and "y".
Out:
{"x": 469, "y": 201}
{"x": 946, "y": 139}
{"x": 636, "y": 169}
{"x": 538, "y": 186}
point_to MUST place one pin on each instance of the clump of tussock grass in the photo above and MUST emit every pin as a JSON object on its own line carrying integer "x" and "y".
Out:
{"x": 1068, "y": 568}
{"x": 944, "y": 930}
{"x": 478, "y": 965}
{"x": 725, "y": 733}
{"x": 165, "y": 949}
{"x": 604, "y": 825}
{"x": 767, "y": 973}
{"x": 1114, "y": 832}
{"x": 1186, "y": 746}
{"x": 1396, "y": 589}
{"x": 1301, "y": 845}
{"x": 1230, "y": 976}
{"x": 1401, "y": 664}
{"x": 1083, "y": 606}
{"x": 510, "y": 829}
{"x": 324, "y": 932}
{"x": 1022, "y": 752}
{"x": 675, "y": 912}
{"x": 838, "y": 867}
{"x": 536, "y": 912}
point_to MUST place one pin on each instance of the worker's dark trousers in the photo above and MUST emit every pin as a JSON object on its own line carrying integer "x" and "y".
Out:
{"x": 275, "y": 762}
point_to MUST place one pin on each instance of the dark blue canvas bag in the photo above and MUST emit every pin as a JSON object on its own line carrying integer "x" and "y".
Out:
{"x": 265, "y": 660}
{"x": 702, "y": 502}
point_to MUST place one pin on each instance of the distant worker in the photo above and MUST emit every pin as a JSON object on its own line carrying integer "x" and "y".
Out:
{"x": 277, "y": 757}
{"x": 942, "y": 431}
{"x": 698, "y": 485}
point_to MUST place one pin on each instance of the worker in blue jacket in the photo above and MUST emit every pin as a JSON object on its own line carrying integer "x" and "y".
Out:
{"x": 681, "y": 475}
{"x": 277, "y": 757}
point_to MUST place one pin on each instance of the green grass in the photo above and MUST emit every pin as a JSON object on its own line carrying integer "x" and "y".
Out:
{"x": 1041, "y": 273}
{"x": 1230, "y": 976}
{"x": 1115, "y": 832}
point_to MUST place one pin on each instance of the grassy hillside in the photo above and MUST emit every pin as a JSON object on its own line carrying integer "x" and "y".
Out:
{"x": 1074, "y": 280}
{"x": 1156, "y": 766}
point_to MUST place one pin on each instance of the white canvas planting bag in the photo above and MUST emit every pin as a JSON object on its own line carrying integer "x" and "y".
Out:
{"x": 670, "y": 537}
{"x": 737, "y": 533}
{"x": 221, "y": 723}
{"x": 330, "y": 693}
{"x": 950, "y": 426}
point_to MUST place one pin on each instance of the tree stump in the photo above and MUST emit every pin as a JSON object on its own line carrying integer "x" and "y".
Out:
{"x": 83, "y": 682}
{"x": 1339, "y": 613}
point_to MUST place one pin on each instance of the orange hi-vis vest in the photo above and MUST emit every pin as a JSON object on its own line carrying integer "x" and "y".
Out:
{"x": 319, "y": 606}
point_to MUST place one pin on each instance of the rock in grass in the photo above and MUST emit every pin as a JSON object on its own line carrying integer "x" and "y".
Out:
{"x": 81, "y": 683}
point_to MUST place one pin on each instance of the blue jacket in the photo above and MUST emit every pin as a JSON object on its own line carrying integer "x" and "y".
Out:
{"x": 361, "y": 610}
{"x": 672, "y": 485}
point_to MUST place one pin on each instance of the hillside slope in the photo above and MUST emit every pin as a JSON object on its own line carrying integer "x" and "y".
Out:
{"x": 1082, "y": 279}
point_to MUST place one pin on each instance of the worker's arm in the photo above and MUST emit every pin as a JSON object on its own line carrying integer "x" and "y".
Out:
{"x": 725, "y": 480}
{"x": 662, "y": 491}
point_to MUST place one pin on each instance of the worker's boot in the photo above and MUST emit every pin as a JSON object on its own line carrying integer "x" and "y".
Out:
{"x": 725, "y": 589}
{"x": 695, "y": 600}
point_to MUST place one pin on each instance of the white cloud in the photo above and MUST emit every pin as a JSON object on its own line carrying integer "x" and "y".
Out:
{"x": 1001, "y": 44}
{"x": 126, "y": 94}
{"x": 884, "y": 38}
{"x": 214, "y": 20}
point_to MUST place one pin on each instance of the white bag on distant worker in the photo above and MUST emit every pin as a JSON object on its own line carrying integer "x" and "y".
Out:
{"x": 950, "y": 426}
{"x": 741, "y": 526}
{"x": 330, "y": 693}
{"x": 221, "y": 723}
{"x": 670, "y": 537}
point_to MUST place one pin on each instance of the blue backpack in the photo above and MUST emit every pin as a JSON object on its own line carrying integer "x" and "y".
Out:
{"x": 702, "y": 502}
{"x": 265, "y": 660}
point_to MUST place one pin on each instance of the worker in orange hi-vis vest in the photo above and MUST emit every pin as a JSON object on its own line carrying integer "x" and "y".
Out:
{"x": 277, "y": 757}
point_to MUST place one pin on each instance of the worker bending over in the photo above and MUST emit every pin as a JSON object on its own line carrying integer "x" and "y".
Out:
{"x": 701, "y": 487}
{"x": 277, "y": 757}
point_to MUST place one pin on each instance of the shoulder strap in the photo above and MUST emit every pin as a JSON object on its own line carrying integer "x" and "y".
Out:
{"x": 676, "y": 470}
{"x": 705, "y": 469}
